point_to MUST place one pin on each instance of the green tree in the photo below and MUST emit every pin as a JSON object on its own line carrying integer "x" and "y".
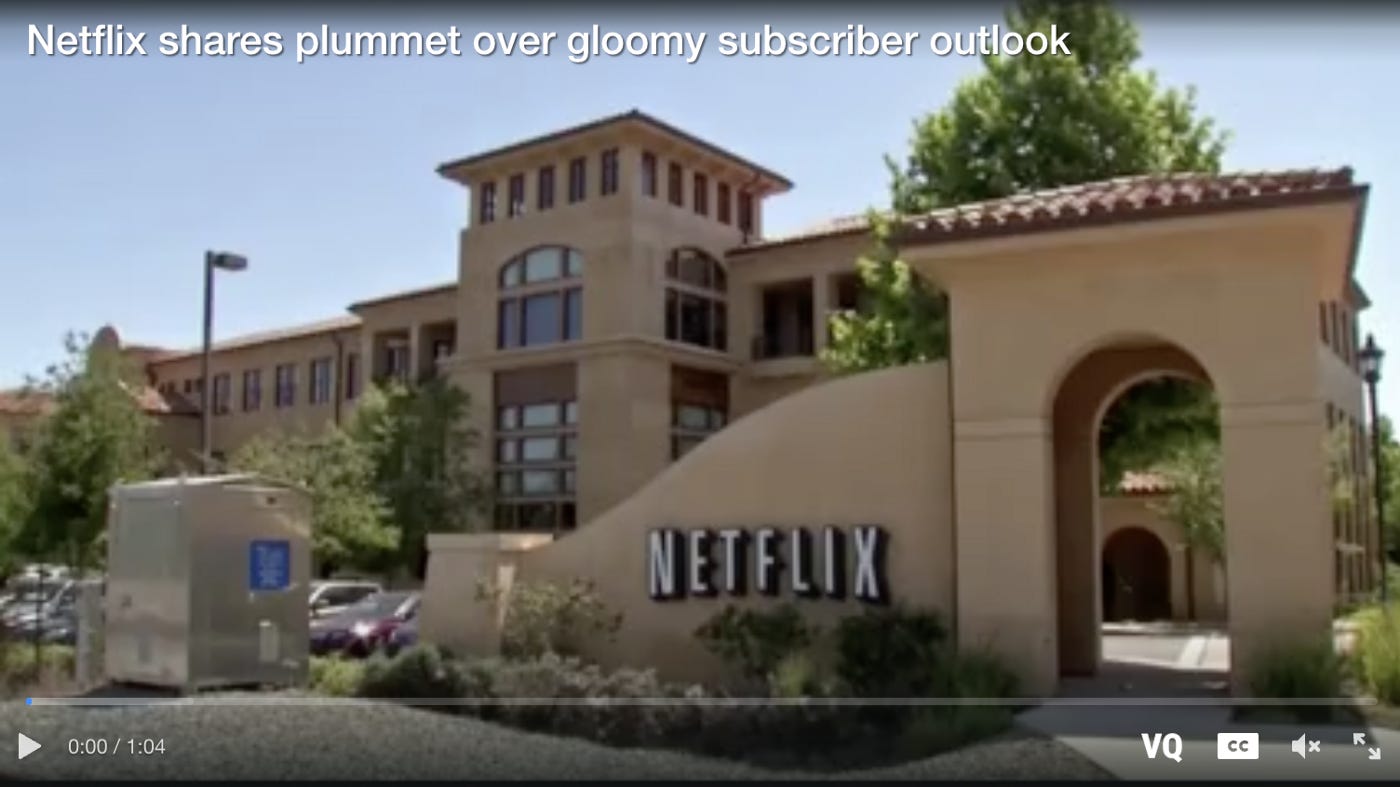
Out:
{"x": 901, "y": 318}
{"x": 420, "y": 444}
{"x": 349, "y": 525}
{"x": 1390, "y": 492}
{"x": 1195, "y": 504}
{"x": 1028, "y": 123}
{"x": 97, "y": 436}
{"x": 14, "y": 502}
{"x": 1152, "y": 421}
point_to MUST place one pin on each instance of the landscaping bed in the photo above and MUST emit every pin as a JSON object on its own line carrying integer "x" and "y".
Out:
{"x": 796, "y": 703}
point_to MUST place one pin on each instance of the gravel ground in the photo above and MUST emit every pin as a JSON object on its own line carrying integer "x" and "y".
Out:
{"x": 385, "y": 741}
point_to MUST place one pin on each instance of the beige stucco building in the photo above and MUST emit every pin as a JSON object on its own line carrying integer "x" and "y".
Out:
{"x": 619, "y": 306}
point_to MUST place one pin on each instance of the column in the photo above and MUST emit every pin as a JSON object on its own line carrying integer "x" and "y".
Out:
{"x": 1278, "y": 531}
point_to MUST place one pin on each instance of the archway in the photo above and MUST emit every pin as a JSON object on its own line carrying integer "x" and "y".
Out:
{"x": 1129, "y": 575}
{"x": 1136, "y": 576}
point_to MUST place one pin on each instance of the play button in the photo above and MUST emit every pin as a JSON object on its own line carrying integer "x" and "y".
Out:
{"x": 27, "y": 745}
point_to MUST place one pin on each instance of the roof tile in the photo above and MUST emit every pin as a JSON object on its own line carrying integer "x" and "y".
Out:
{"x": 1142, "y": 196}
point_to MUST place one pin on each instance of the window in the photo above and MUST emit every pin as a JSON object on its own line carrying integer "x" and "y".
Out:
{"x": 542, "y": 302}
{"x": 321, "y": 380}
{"x": 221, "y": 393}
{"x": 674, "y": 188}
{"x": 535, "y": 472}
{"x": 487, "y": 210}
{"x": 516, "y": 205}
{"x": 286, "y": 382}
{"x": 352, "y": 376}
{"x": 189, "y": 386}
{"x": 609, "y": 171}
{"x": 252, "y": 390}
{"x": 699, "y": 407}
{"x": 442, "y": 349}
{"x": 722, "y": 204}
{"x": 578, "y": 179}
{"x": 695, "y": 305}
{"x": 745, "y": 212}
{"x": 701, "y": 199}
{"x": 396, "y": 360}
{"x": 544, "y": 197}
{"x": 649, "y": 174}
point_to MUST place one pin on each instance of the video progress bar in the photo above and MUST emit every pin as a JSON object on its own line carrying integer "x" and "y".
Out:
{"x": 253, "y": 700}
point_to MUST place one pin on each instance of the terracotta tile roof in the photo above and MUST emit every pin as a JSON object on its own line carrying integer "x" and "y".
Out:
{"x": 24, "y": 402}
{"x": 267, "y": 337}
{"x": 1134, "y": 198}
{"x": 153, "y": 402}
{"x": 633, "y": 116}
{"x": 1139, "y": 483}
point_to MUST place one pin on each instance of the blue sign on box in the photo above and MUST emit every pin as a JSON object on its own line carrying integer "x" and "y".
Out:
{"x": 269, "y": 565}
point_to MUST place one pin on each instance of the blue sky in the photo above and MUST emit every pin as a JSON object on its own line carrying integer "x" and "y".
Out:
{"x": 116, "y": 174}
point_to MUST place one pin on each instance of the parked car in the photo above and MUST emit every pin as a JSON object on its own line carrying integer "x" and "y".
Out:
{"x": 331, "y": 597}
{"x": 31, "y": 579}
{"x": 36, "y": 601}
{"x": 364, "y": 626}
{"x": 404, "y": 635}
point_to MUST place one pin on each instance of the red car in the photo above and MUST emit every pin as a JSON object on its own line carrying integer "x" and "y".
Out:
{"x": 364, "y": 626}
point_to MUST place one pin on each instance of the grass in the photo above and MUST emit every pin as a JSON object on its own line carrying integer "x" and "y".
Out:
{"x": 22, "y": 676}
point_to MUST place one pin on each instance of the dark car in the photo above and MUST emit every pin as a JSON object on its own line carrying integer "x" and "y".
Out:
{"x": 363, "y": 626}
{"x": 405, "y": 635}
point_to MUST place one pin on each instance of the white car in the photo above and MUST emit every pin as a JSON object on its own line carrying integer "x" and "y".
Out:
{"x": 332, "y": 596}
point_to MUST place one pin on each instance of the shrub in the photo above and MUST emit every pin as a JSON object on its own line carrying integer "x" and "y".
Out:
{"x": 420, "y": 672}
{"x": 555, "y": 677}
{"x": 336, "y": 677}
{"x": 1378, "y": 653}
{"x": 542, "y": 617}
{"x": 755, "y": 641}
{"x": 1307, "y": 670}
{"x": 891, "y": 652}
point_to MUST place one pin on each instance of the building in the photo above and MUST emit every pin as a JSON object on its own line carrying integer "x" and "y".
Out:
{"x": 617, "y": 303}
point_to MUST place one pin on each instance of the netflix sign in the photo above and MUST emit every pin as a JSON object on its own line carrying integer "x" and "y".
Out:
{"x": 829, "y": 562}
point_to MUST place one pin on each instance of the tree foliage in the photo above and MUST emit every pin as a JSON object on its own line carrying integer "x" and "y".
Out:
{"x": 350, "y": 527}
{"x": 1029, "y": 123}
{"x": 901, "y": 318}
{"x": 14, "y": 501}
{"x": 419, "y": 443}
{"x": 1151, "y": 422}
{"x": 96, "y": 437}
{"x": 1196, "y": 502}
{"x": 1390, "y": 492}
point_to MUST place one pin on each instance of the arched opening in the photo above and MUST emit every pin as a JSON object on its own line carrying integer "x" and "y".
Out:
{"x": 1131, "y": 420}
{"x": 1136, "y": 576}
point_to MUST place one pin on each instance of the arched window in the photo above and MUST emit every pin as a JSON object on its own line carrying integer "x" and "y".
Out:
{"x": 541, "y": 298}
{"x": 695, "y": 308}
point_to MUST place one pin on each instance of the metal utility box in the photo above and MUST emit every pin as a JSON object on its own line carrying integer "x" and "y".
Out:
{"x": 207, "y": 583}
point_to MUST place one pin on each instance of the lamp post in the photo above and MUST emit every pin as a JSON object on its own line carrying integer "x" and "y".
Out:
{"x": 1370, "y": 357}
{"x": 227, "y": 261}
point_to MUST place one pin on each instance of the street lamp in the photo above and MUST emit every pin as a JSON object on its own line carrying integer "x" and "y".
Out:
{"x": 1370, "y": 357}
{"x": 233, "y": 263}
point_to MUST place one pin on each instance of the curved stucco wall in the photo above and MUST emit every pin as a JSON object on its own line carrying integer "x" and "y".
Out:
{"x": 869, "y": 449}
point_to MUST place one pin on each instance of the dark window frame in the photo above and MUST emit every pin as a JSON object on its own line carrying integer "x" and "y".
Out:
{"x": 252, "y": 390}
{"x": 515, "y": 199}
{"x": 675, "y": 184}
{"x": 544, "y": 196}
{"x": 649, "y": 174}
{"x": 578, "y": 179}
{"x": 608, "y": 177}
{"x": 486, "y": 211}
{"x": 700, "y": 196}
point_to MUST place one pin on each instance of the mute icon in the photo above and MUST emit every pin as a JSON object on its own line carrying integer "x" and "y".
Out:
{"x": 1302, "y": 746}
